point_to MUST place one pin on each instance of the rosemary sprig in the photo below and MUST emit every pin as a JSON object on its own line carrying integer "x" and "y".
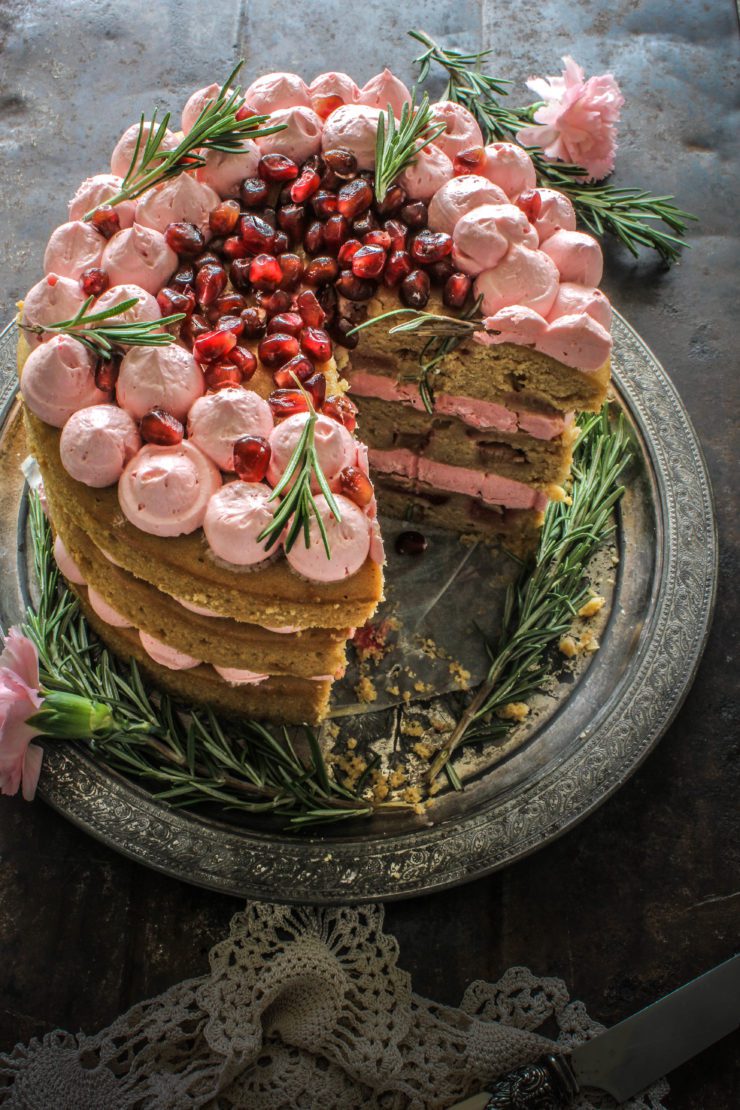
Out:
{"x": 397, "y": 145}
{"x": 541, "y": 606}
{"x": 299, "y": 502}
{"x": 216, "y": 128}
{"x": 101, "y": 340}
{"x": 628, "y": 214}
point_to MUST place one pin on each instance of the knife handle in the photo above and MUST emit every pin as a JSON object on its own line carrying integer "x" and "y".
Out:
{"x": 546, "y": 1085}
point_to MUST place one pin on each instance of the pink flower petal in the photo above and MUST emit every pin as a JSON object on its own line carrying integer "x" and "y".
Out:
{"x": 20, "y": 655}
{"x": 31, "y": 770}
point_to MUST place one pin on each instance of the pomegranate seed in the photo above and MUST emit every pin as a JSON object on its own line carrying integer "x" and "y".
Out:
{"x": 257, "y": 235}
{"x": 354, "y": 198}
{"x": 329, "y": 301}
{"x": 192, "y": 327}
{"x": 415, "y": 289}
{"x": 354, "y": 288}
{"x": 398, "y": 234}
{"x": 341, "y": 162}
{"x": 314, "y": 237}
{"x": 311, "y": 312}
{"x": 265, "y": 272}
{"x": 244, "y": 360}
{"x": 105, "y": 219}
{"x": 289, "y": 323}
{"x": 234, "y": 248}
{"x": 276, "y": 349}
{"x": 471, "y": 160}
{"x": 230, "y": 304}
{"x": 321, "y": 270}
{"x": 356, "y": 485}
{"x": 530, "y": 202}
{"x": 315, "y": 387}
{"x": 347, "y": 252}
{"x": 340, "y": 408}
{"x": 369, "y": 262}
{"x": 325, "y": 204}
{"x": 213, "y": 345}
{"x": 279, "y": 301}
{"x": 106, "y": 373}
{"x": 287, "y": 402}
{"x": 292, "y": 267}
{"x": 314, "y": 162}
{"x": 255, "y": 321}
{"x": 224, "y": 217}
{"x": 299, "y": 367}
{"x": 161, "y": 427}
{"x": 292, "y": 219}
{"x": 378, "y": 238}
{"x": 339, "y": 330}
{"x": 207, "y": 258}
{"x": 393, "y": 201}
{"x": 245, "y": 112}
{"x": 222, "y": 375}
{"x": 183, "y": 277}
{"x": 282, "y": 243}
{"x": 184, "y": 238}
{"x": 415, "y": 214}
{"x": 93, "y": 281}
{"x": 456, "y": 291}
{"x": 251, "y": 458}
{"x": 323, "y": 106}
{"x": 239, "y": 273}
{"x": 269, "y": 215}
{"x": 234, "y": 324}
{"x": 305, "y": 186}
{"x": 276, "y": 167}
{"x": 442, "y": 270}
{"x": 172, "y": 300}
{"x": 254, "y": 192}
{"x": 316, "y": 342}
{"x": 364, "y": 224}
{"x": 430, "y": 246}
{"x": 210, "y": 283}
{"x": 329, "y": 179}
{"x": 411, "y": 543}
{"x": 336, "y": 230}
{"x": 398, "y": 266}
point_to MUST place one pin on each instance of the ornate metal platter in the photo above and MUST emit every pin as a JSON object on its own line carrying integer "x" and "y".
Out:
{"x": 597, "y": 729}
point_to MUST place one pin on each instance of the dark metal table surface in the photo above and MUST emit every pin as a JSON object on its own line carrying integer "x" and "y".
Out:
{"x": 646, "y": 892}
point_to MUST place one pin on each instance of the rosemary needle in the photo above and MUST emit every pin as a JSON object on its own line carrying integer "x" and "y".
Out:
{"x": 101, "y": 337}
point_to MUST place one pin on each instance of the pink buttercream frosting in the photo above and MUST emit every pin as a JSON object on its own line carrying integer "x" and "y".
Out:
{"x": 58, "y": 378}
{"x": 522, "y": 277}
{"x": 384, "y": 89}
{"x": 165, "y": 490}
{"x": 146, "y": 307}
{"x": 66, "y": 563}
{"x": 225, "y": 172}
{"x": 428, "y": 173}
{"x": 181, "y": 199}
{"x": 50, "y": 300}
{"x": 509, "y": 167}
{"x": 491, "y": 488}
{"x": 98, "y": 190}
{"x": 236, "y": 515}
{"x": 335, "y": 446}
{"x": 195, "y": 105}
{"x": 353, "y": 127}
{"x": 556, "y": 212}
{"x": 217, "y": 420}
{"x": 277, "y": 90}
{"x": 334, "y": 83}
{"x": 300, "y": 137}
{"x": 460, "y": 195}
{"x": 461, "y": 128}
{"x": 572, "y": 299}
{"x": 348, "y": 539}
{"x": 201, "y": 610}
{"x": 167, "y": 656}
{"x": 96, "y": 443}
{"x": 72, "y": 248}
{"x": 282, "y": 629}
{"x": 139, "y": 255}
{"x": 483, "y": 236}
{"x": 237, "y": 676}
{"x": 577, "y": 256}
{"x": 577, "y": 340}
{"x": 124, "y": 149}
{"x": 106, "y": 612}
{"x": 159, "y": 377}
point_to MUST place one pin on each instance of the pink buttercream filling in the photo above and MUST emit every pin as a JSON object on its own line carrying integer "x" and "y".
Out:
{"x": 167, "y": 656}
{"x": 236, "y": 676}
{"x": 66, "y": 563}
{"x": 576, "y": 340}
{"x": 106, "y": 612}
{"x": 491, "y": 488}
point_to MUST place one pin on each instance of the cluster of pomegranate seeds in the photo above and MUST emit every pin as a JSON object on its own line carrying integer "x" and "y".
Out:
{"x": 161, "y": 427}
{"x": 251, "y": 458}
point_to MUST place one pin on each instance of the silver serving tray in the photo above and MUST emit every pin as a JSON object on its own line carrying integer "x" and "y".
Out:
{"x": 601, "y": 727}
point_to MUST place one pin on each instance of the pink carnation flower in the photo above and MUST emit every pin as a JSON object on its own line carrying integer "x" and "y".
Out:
{"x": 578, "y": 120}
{"x": 20, "y": 760}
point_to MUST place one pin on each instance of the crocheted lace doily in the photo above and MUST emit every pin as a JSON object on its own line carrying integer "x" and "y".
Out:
{"x": 303, "y": 1009}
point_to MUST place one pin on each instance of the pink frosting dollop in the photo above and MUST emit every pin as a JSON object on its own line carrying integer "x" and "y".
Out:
{"x": 334, "y": 445}
{"x": 300, "y": 137}
{"x": 577, "y": 256}
{"x": 522, "y": 277}
{"x": 461, "y": 128}
{"x": 458, "y": 196}
{"x": 483, "y": 235}
{"x": 384, "y": 89}
{"x": 66, "y": 563}
{"x": 123, "y": 151}
{"x": 237, "y": 676}
{"x": 72, "y": 248}
{"x": 225, "y": 172}
{"x": 217, "y": 420}
{"x": 106, "y": 612}
{"x": 353, "y": 127}
{"x": 146, "y": 307}
{"x": 572, "y": 299}
{"x": 577, "y": 340}
{"x": 509, "y": 167}
{"x": 277, "y": 90}
{"x": 348, "y": 539}
{"x": 139, "y": 255}
{"x": 195, "y": 105}
{"x": 334, "y": 83}
{"x": 49, "y": 301}
{"x": 167, "y": 656}
{"x": 58, "y": 378}
{"x": 165, "y": 490}
{"x": 159, "y": 377}
{"x": 236, "y": 515}
{"x": 556, "y": 212}
{"x": 96, "y": 443}
{"x": 427, "y": 173}
{"x": 98, "y": 190}
{"x": 181, "y": 199}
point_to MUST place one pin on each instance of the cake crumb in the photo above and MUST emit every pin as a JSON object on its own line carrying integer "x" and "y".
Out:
{"x": 393, "y": 690}
{"x": 412, "y": 728}
{"x": 365, "y": 690}
{"x": 422, "y": 687}
{"x": 593, "y": 606}
{"x": 567, "y": 647}
{"x": 397, "y": 778}
{"x": 351, "y": 743}
{"x": 412, "y": 794}
{"x": 460, "y": 675}
{"x": 571, "y": 646}
{"x": 423, "y": 750}
{"x": 513, "y": 711}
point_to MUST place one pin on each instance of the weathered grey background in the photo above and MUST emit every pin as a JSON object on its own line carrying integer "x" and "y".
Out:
{"x": 646, "y": 893}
